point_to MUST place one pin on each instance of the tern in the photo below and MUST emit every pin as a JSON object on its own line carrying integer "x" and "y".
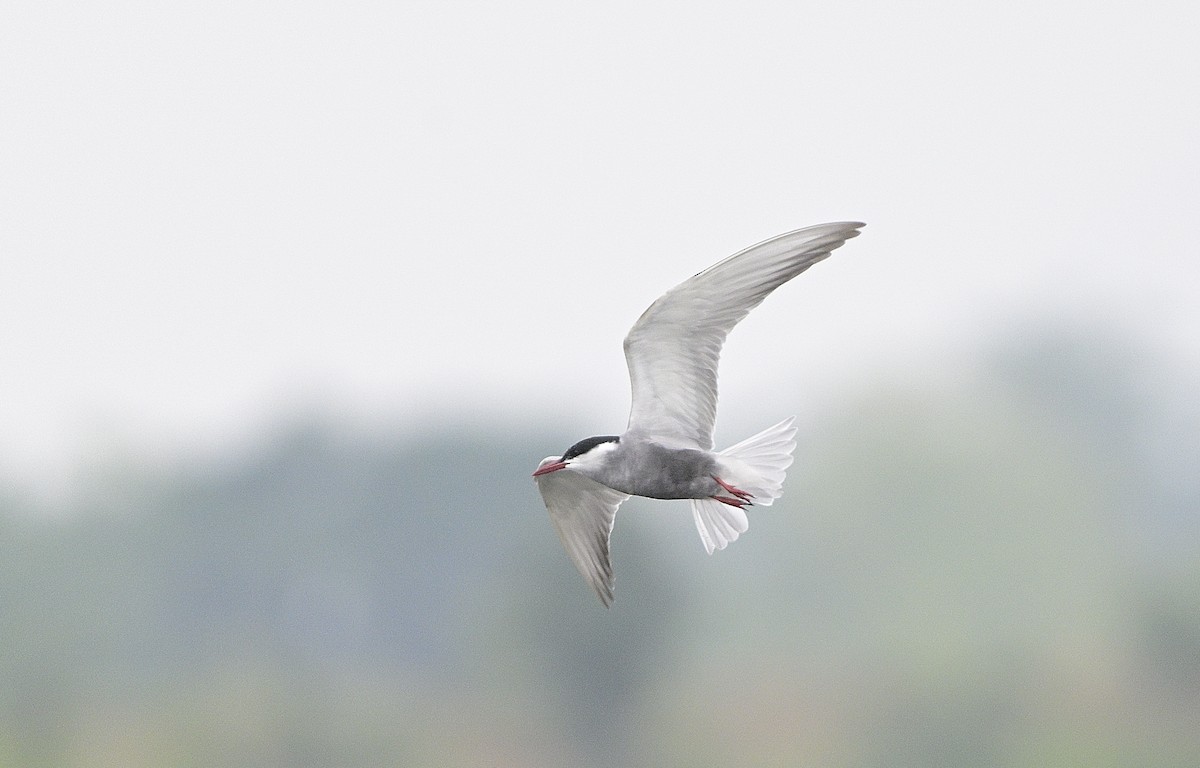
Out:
{"x": 666, "y": 451}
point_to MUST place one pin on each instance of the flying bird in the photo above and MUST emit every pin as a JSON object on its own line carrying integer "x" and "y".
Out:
{"x": 666, "y": 451}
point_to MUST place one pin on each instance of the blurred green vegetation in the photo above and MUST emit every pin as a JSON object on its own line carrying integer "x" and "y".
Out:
{"x": 995, "y": 566}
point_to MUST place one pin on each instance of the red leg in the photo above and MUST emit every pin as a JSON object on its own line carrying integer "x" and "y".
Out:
{"x": 743, "y": 495}
{"x": 739, "y": 503}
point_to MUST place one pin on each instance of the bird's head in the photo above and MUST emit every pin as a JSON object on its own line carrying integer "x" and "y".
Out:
{"x": 584, "y": 455}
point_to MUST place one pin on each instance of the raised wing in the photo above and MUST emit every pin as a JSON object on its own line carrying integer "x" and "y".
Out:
{"x": 674, "y": 347}
{"x": 583, "y": 511}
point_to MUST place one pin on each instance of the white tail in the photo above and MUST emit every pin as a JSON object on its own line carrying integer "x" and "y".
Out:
{"x": 756, "y": 465}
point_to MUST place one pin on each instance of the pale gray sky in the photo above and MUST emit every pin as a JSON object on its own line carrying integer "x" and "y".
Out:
{"x": 213, "y": 212}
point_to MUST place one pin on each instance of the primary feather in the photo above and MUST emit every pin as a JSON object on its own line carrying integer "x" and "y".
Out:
{"x": 583, "y": 512}
{"x": 674, "y": 347}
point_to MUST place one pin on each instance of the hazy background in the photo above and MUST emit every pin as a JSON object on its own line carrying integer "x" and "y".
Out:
{"x": 293, "y": 297}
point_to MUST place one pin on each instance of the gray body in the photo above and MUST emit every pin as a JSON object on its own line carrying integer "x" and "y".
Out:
{"x": 642, "y": 467}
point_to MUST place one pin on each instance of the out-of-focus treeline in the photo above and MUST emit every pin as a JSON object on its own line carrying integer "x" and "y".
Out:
{"x": 995, "y": 565}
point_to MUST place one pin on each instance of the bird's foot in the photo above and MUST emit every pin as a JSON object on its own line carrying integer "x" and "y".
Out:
{"x": 739, "y": 503}
{"x": 737, "y": 492}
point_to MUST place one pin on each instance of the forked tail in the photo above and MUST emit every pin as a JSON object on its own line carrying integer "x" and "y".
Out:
{"x": 757, "y": 466}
